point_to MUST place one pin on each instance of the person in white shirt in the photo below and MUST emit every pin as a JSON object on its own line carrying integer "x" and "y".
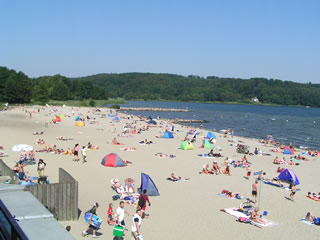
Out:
{"x": 84, "y": 154}
{"x": 136, "y": 224}
{"x": 120, "y": 214}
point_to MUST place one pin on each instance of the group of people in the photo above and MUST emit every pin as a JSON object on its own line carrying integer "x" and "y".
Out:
{"x": 314, "y": 196}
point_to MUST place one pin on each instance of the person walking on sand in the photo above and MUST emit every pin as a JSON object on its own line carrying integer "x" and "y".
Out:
{"x": 248, "y": 172}
{"x": 142, "y": 203}
{"x": 76, "y": 152}
{"x": 136, "y": 224}
{"x": 120, "y": 214}
{"x": 254, "y": 191}
{"x": 92, "y": 211}
{"x": 293, "y": 191}
{"x": 84, "y": 154}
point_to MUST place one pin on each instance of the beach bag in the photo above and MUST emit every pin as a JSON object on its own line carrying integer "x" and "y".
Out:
{"x": 316, "y": 221}
{"x": 141, "y": 201}
{"x": 115, "y": 197}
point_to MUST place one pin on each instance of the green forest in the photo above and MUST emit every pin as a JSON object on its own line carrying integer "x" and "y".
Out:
{"x": 16, "y": 87}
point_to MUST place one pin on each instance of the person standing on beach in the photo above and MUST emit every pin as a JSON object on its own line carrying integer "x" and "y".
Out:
{"x": 254, "y": 191}
{"x": 136, "y": 224}
{"x": 120, "y": 214}
{"x": 76, "y": 152}
{"x": 293, "y": 191}
{"x": 248, "y": 172}
{"x": 84, "y": 154}
{"x": 41, "y": 166}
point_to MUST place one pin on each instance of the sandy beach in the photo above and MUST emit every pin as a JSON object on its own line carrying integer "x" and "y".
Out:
{"x": 184, "y": 210}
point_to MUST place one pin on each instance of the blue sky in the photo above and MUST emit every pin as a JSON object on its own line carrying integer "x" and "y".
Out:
{"x": 232, "y": 38}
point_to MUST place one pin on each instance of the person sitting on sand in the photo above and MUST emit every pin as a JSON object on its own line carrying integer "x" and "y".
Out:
{"x": 31, "y": 156}
{"x": 276, "y": 160}
{"x": 254, "y": 216}
{"x": 177, "y": 178}
{"x": 216, "y": 168}
{"x": 206, "y": 170}
{"x": 68, "y": 152}
{"x": 309, "y": 217}
{"x": 115, "y": 142}
{"x": 129, "y": 185}
{"x": 226, "y": 171}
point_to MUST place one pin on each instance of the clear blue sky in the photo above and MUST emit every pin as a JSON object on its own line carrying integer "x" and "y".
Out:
{"x": 230, "y": 38}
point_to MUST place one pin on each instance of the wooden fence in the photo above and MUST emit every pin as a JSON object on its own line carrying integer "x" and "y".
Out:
{"x": 60, "y": 198}
{"x": 6, "y": 171}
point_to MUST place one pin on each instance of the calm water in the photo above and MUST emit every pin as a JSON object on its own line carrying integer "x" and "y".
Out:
{"x": 301, "y": 126}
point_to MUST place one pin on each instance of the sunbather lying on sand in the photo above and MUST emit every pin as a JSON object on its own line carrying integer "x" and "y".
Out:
{"x": 145, "y": 142}
{"x": 91, "y": 147}
{"x": 63, "y": 138}
{"x": 313, "y": 196}
{"x": 39, "y": 142}
{"x": 38, "y": 133}
{"x": 175, "y": 178}
{"x": 226, "y": 193}
{"x": 115, "y": 142}
{"x": 129, "y": 149}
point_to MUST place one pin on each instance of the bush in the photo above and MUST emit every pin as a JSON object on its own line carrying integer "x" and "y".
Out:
{"x": 115, "y": 106}
{"x": 92, "y": 103}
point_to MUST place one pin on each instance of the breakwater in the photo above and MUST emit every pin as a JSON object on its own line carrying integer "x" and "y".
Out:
{"x": 188, "y": 121}
{"x": 153, "y": 109}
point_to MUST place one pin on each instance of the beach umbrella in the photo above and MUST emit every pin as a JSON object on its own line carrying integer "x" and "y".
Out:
{"x": 210, "y": 135}
{"x": 21, "y": 147}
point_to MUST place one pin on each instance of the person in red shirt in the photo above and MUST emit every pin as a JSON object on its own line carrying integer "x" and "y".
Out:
{"x": 143, "y": 203}
{"x": 110, "y": 214}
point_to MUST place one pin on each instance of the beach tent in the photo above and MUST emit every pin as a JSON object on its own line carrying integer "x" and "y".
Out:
{"x": 21, "y": 147}
{"x": 152, "y": 122}
{"x": 288, "y": 175}
{"x": 210, "y": 135}
{"x": 207, "y": 145}
{"x": 287, "y": 150}
{"x": 58, "y": 119}
{"x": 186, "y": 146}
{"x": 167, "y": 134}
{"x": 148, "y": 184}
{"x": 113, "y": 160}
{"x": 79, "y": 124}
{"x": 77, "y": 118}
{"x": 61, "y": 116}
{"x": 116, "y": 119}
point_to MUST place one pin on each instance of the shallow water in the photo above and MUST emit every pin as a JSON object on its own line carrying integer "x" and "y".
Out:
{"x": 298, "y": 125}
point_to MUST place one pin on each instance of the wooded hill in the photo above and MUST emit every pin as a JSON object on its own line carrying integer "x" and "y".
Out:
{"x": 150, "y": 86}
{"x": 16, "y": 87}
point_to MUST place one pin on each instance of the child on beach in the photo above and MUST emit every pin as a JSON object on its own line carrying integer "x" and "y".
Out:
{"x": 248, "y": 172}
{"x": 84, "y": 154}
{"x": 110, "y": 215}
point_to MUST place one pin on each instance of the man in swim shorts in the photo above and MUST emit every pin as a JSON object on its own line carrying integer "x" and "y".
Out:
{"x": 254, "y": 191}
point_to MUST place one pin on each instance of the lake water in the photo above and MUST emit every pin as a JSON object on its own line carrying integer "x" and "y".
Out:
{"x": 301, "y": 126}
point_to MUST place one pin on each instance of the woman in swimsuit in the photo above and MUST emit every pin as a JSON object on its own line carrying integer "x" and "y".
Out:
{"x": 293, "y": 191}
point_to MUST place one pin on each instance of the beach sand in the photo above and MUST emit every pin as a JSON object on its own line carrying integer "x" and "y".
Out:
{"x": 184, "y": 210}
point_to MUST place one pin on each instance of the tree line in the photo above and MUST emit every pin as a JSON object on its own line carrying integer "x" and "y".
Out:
{"x": 150, "y": 86}
{"x": 16, "y": 87}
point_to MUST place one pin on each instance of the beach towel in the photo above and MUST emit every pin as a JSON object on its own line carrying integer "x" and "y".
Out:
{"x": 234, "y": 212}
{"x": 205, "y": 156}
{"x": 303, "y": 220}
{"x": 279, "y": 186}
{"x": 237, "y": 196}
{"x": 128, "y": 149}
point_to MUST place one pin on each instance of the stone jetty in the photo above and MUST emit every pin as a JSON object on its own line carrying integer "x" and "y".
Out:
{"x": 153, "y": 109}
{"x": 188, "y": 121}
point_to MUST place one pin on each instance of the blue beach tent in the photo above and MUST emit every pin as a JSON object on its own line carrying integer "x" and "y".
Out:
{"x": 210, "y": 135}
{"x": 288, "y": 175}
{"x": 167, "y": 134}
{"x": 77, "y": 118}
{"x": 116, "y": 119}
{"x": 147, "y": 183}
